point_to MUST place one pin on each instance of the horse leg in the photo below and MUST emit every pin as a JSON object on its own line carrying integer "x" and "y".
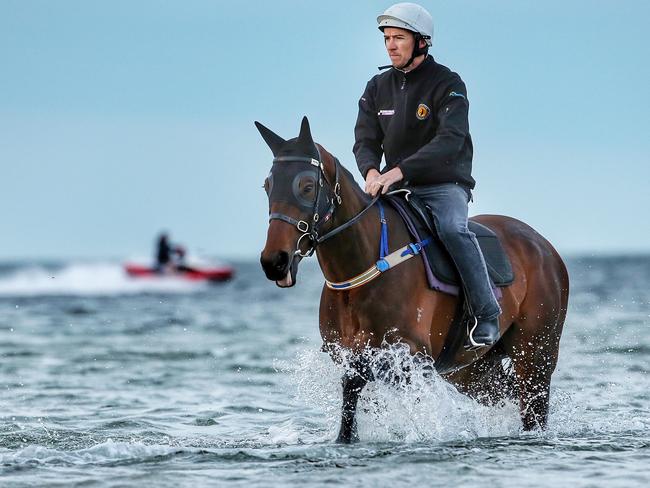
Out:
{"x": 487, "y": 382}
{"x": 534, "y": 358}
{"x": 533, "y": 344}
{"x": 354, "y": 380}
{"x": 534, "y": 385}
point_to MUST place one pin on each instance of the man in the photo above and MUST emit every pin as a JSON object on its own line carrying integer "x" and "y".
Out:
{"x": 416, "y": 116}
{"x": 163, "y": 253}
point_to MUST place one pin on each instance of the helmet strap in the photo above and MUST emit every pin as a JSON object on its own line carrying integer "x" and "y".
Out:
{"x": 417, "y": 50}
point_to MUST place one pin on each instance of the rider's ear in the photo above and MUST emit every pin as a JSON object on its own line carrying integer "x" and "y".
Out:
{"x": 305, "y": 133}
{"x": 274, "y": 141}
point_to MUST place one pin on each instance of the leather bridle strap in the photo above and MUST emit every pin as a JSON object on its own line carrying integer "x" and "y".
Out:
{"x": 298, "y": 159}
{"x": 289, "y": 220}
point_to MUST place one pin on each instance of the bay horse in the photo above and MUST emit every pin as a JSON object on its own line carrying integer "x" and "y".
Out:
{"x": 316, "y": 206}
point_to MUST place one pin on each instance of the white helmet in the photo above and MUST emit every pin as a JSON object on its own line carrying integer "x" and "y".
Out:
{"x": 409, "y": 16}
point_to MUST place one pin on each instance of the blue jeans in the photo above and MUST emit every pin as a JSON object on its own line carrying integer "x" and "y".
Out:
{"x": 448, "y": 203}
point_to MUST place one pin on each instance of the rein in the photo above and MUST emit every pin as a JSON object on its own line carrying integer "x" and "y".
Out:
{"x": 349, "y": 223}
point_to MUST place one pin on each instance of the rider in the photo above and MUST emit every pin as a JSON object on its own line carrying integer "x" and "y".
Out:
{"x": 163, "y": 253}
{"x": 416, "y": 115}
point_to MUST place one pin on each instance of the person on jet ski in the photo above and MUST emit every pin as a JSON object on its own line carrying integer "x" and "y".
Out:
{"x": 163, "y": 253}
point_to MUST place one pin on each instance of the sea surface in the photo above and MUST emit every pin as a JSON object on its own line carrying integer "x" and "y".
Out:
{"x": 112, "y": 382}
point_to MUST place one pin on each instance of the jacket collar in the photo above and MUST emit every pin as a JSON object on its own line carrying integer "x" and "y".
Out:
{"x": 422, "y": 67}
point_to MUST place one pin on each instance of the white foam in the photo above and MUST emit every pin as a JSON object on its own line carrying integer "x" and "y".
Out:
{"x": 284, "y": 433}
{"x": 100, "y": 278}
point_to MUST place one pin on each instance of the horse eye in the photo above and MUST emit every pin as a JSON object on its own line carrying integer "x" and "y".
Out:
{"x": 307, "y": 185}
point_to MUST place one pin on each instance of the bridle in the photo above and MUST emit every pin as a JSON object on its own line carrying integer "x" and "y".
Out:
{"x": 328, "y": 197}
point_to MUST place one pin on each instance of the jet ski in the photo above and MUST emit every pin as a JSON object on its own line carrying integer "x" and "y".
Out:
{"x": 211, "y": 273}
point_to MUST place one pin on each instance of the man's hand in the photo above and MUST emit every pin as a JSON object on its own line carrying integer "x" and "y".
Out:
{"x": 375, "y": 181}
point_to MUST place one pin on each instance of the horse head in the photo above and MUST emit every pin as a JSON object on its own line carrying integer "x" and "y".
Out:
{"x": 301, "y": 199}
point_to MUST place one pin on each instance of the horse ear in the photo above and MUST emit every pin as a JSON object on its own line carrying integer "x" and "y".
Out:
{"x": 274, "y": 141}
{"x": 305, "y": 132}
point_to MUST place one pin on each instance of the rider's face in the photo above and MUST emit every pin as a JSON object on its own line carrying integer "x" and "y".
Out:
{"x": 399, "y": 45}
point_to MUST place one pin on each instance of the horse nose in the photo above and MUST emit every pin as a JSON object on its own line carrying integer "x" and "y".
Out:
{"x": 276, "y": 265}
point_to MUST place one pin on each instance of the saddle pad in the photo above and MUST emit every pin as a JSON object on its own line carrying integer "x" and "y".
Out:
{"x": 497, "y": 261}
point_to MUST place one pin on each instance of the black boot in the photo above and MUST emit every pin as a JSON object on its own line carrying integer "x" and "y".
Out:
{"x": 482, "y": 333}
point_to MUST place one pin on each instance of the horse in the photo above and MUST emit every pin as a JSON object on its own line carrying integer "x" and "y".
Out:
{"x": 315, "y": 206}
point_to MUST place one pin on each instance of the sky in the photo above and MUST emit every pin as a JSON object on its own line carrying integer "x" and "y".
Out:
{"x": 122, "y": 118}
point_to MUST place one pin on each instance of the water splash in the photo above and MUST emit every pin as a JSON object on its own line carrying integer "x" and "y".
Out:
{"x": 418, "y": 405}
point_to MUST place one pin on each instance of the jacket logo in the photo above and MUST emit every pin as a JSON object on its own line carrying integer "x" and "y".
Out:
{"x": 422, "y": 112}
{"x": 386, "y": 112}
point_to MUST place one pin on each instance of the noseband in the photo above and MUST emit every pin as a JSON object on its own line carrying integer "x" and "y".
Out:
{"x": 328, "y": 197}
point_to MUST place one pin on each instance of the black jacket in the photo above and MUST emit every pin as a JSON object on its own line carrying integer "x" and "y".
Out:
{"x": 163, "y": 253}
{"x": 419, "y": 121}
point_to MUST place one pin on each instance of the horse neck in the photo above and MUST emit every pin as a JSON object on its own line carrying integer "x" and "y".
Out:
{"x": 354, "y": 249}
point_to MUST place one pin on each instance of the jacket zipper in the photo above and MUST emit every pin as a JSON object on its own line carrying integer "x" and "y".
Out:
{"x": 404, "y": 91}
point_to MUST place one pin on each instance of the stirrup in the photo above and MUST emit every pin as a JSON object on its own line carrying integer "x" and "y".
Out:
{"x": 473, "y": 345}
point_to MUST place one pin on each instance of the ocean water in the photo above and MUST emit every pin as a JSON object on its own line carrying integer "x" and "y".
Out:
{"x": 112, "y": 382}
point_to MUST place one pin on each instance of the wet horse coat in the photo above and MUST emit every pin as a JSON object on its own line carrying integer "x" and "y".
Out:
{"x": 399, "y": 306}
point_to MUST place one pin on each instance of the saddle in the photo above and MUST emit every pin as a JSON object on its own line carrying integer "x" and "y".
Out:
{"x": 441, "y": 271}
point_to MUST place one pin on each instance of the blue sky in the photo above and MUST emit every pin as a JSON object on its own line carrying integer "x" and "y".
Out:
{"x": 121, "y": 118}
